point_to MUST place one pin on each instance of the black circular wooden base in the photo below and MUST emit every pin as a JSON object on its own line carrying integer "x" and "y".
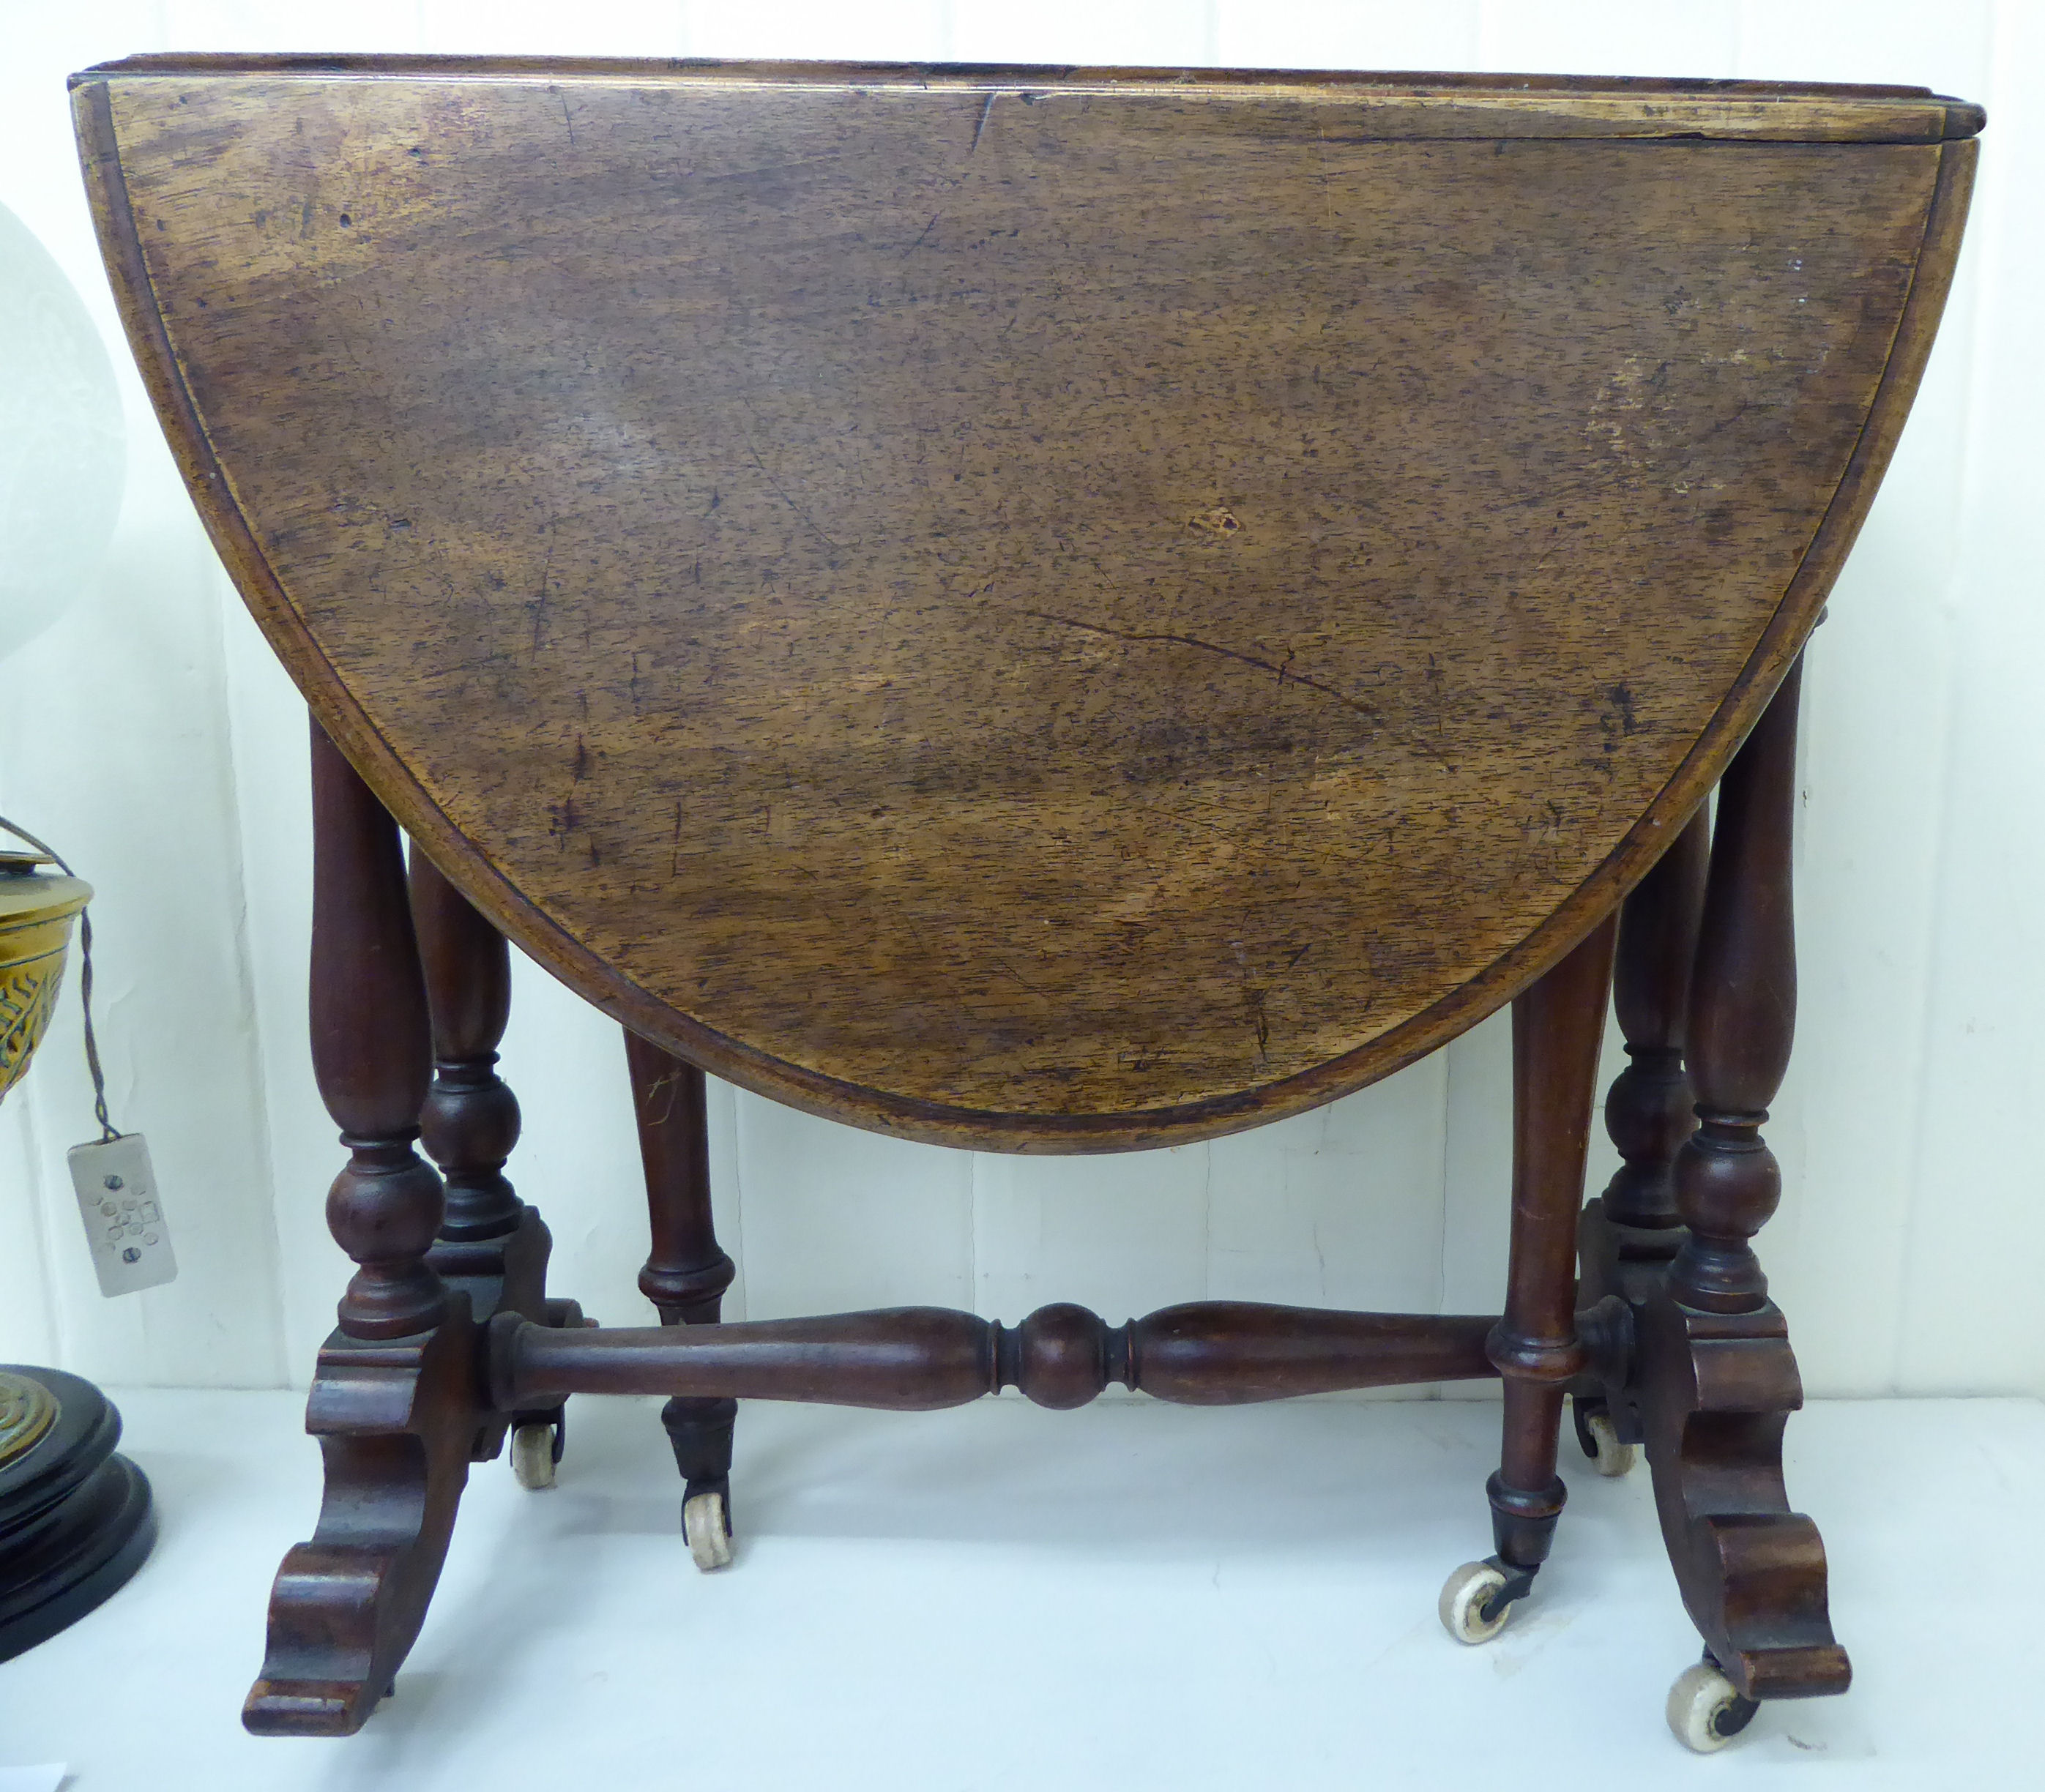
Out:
{"x": 76, "y": 1519}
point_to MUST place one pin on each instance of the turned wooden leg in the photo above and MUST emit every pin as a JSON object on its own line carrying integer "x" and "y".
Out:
{"x": 1719, "y": 1378}
{"x": 396, "y": 1398}
{"x": 492, "y": 1246}
{"x": 371, "y": 1056}
{"x": 685, "y": 1277}
{"x": 1701, "y": 1366}
{"x": 469, "y": 1121}
{"x": 1557, "y": 1026}
{"x": 1743, "y": 1021}
{"x": 1647, "y": 1111}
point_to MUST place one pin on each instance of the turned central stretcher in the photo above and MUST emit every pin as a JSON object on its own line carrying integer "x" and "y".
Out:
{"x": 1048, "y": 610}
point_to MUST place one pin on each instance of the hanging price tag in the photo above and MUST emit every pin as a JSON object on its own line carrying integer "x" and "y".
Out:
{"x": 115, "y": 1188}
{"x": 124, "y": 1220}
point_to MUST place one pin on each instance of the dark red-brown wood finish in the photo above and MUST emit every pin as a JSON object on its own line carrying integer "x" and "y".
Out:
{"x": 1707, "y": 1379}
{"x": 1556, "y": 1028}
{"x": 688, "y": 1271}
{"x": 372, "y": 1054}
{"x": 1101, "y": 734}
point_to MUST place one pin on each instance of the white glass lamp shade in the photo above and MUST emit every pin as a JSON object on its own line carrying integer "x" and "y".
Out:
{"x": 63, "y": 458}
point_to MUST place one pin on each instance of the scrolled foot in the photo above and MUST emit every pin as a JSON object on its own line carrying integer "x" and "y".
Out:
{"x": 1477, "y": 1599}
{"x": 1716, "y": 1391}
{"x": 706, "y": 1523}
{"x": 1705, "y": 1710}
{"x": 395, "y": 1422}
{"x": 1710, "y": 1394}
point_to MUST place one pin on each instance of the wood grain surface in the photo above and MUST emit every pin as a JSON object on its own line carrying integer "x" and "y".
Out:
{"x": 1055, "y": 615}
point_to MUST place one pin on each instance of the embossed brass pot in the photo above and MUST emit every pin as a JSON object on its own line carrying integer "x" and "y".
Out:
{"x": 38, "y": 911}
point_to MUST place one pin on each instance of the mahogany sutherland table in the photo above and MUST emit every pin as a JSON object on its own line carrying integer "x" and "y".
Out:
{"x": 1049, "y": 610}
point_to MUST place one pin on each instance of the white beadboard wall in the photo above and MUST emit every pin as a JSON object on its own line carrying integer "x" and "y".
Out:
{"x": 151, "y": 736}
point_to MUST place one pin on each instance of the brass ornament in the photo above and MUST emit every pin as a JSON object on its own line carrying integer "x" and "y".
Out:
{"x": 28, "y": 1410}
{"x": 36, "y": 914}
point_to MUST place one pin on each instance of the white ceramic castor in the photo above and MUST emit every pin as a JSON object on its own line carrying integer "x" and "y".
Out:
{"x": 1464, "y": 1596}
{"x": 1705, "y": 1710}
{"x": 706, "y": 1523}
{"x": 1613, "y": 1458}
{"x": 533, "y": 1454}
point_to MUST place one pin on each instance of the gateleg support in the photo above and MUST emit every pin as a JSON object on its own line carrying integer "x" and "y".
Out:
{"x": 400, "y": 1401}
{"x": 686, "y": 1276}
{"x": 1709, "y": 1380}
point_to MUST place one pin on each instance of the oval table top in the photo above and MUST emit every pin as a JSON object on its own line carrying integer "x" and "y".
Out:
{"x": 1048, "y": 609}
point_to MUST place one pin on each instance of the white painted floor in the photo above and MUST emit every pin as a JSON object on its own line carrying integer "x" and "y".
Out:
{"x": 1129, "y": 1597}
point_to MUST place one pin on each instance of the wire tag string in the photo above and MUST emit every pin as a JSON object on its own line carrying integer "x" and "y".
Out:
{"x": 107, "y": 1130}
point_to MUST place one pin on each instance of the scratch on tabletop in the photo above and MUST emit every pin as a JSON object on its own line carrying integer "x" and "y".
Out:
{"x": 1285, "y": 674}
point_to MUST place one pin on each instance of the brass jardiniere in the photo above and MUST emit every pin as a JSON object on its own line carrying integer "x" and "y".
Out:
{"x": 38, "y": 911}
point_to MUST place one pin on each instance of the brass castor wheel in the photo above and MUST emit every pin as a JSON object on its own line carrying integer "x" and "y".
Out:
{"x": 706, "y": 1523}
{"x": 536, "y": 1450}
{"x": 1478, "y": 1598}
{"x": 1611, "y": 1458}
{"x": 1706, "y": 1710}
{"x": 1598, "y": 1433}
